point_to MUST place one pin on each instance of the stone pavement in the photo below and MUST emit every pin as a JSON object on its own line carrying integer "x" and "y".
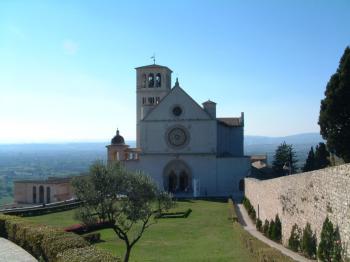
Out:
{"x": 248, "y": 225}
{"x": 10, "y": 252}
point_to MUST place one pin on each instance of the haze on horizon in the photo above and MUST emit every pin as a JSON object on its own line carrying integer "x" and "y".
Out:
{"x": 67, "y": 67}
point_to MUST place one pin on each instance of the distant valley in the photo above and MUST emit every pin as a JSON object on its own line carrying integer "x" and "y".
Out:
{"x": 29, "y": 161}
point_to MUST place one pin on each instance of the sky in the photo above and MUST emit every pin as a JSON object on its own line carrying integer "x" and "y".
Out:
{"x": 67, "y": 67}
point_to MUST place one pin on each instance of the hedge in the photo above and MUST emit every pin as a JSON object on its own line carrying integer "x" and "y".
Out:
{"x": 86, "y": 254}
{"x": 250, "y": 209}
{"x": 83, "y": 229}
{"x": 43, "y": 242}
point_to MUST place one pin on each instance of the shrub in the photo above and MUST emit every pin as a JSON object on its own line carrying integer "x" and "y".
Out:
{"x": 83, "y": 229}
{"x": 59, "y": 241}
{"x": 250, "y": 209}
{"x": 271, "y": 231}
{"x": 92, "y": 237}
{"x": 330, "y": 246}
{"x": 43, "y": 242}
{"x": 86, "y": 254}
{"x": 294, "y": 239}
{"x": 259, "y": 224}
{"x": 337, "y": 246}
{"x": 308, "y": 242}
{"x": 277, "y": 232}
{"x": 266, "y": 227}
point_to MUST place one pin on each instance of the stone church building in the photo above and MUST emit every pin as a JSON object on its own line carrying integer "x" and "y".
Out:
{"x": 183, "y": 146}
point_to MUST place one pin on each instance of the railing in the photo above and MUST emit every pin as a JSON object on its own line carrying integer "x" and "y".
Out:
{"x": 42, "y": 209}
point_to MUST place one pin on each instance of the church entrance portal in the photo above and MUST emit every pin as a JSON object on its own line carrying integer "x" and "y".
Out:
{"x": 172, "y": 182}
{"x": 177, "y": 177}
{"x": 183, "y": 181}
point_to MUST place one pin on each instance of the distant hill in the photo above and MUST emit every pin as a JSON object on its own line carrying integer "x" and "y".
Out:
{"x": 305, "y": 138}
{"x": 65, "y": 158}
{"x": 267, "y": 145}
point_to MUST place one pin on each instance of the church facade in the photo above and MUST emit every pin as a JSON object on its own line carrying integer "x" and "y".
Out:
{"x": 183, "y": 146}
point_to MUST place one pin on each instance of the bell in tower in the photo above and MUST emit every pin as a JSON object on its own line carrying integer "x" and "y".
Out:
{"x": 153, "y": 82}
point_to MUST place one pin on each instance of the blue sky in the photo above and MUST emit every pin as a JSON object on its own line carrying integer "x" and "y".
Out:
{"x": 67, "y": 67}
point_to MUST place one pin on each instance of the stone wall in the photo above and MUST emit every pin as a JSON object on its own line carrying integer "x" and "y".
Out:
{"x": 307, "y": 197}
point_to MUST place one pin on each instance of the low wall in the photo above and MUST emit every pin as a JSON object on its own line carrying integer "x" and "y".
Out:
{"x": 306, "y": 197}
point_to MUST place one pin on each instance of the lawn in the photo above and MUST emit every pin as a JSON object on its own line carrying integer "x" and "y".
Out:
{"x": 206, "y": 235}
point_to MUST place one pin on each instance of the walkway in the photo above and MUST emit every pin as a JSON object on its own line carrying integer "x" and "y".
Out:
{"x": 10, "y": 252}
{"x": 248, "y": 225}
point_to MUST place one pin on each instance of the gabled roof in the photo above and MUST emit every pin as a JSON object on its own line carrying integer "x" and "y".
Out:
{"x": 154, "y": 66}
{"x": 176, "y": 87}
{"x": 230, "y": 121}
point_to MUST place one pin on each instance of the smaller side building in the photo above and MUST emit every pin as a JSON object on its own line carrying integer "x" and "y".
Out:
{"x": 43, "y": 191}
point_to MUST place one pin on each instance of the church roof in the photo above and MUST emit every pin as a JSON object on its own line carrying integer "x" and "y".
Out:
{"x": 209, "y": 102}
{"x": 230, "y": 121}
{"x": 154, "y": 66}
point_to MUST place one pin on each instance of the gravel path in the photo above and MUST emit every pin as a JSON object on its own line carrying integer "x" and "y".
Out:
{"x": 10, "y": 252}
{"x": 248, "y": 225}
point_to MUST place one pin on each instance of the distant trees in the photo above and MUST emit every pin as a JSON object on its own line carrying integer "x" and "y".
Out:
{"x": 284, "y": 160}
{"x": 127, "y": 201}
{"x": 317, "y": 160}
{"x": 334, "y": 119}
{"x": 310, "y": 161}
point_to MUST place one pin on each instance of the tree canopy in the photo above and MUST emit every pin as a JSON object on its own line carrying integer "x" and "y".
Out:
{"x": 284, "y": 160}
{"x": 310, "y": 161}
{"x": 318, "y": 159}
{"x": 334, "y": 119}
{"x": 127, "y": 201}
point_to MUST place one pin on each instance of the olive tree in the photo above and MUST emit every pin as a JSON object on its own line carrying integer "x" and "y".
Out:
{"x": 128, "y": 202}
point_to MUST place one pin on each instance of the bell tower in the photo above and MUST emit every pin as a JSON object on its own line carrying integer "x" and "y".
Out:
{"x": 153, "y": 82}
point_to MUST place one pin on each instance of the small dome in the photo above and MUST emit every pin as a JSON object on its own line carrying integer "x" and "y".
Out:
{"x": 118, "y": 139}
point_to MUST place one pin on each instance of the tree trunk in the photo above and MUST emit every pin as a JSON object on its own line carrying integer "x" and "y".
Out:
{"x": 127, "y": 253}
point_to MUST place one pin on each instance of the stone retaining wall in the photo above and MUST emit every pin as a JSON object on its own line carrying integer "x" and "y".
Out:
{"x": 306, "y": 197}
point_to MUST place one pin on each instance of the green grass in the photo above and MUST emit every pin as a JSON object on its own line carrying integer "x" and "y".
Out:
{"x": 206, "y": 235}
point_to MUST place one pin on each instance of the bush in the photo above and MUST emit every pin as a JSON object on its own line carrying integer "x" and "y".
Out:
{"x": 86, "y": 254}
{"x": 266, "y": 227}
{"x": 83, "y": 229}
{"x": 260, "y": 251}
{"x": 277, "y": 233}
{"x": 330, "y": 247}
{"x": 271, "y": 231}
{"x": 294, "y": 239}
{"x": 43, "y": 242}
{"x": 259, "y": 224}
{"x": 92, "y": 237}
{"x": 308, "y": 242}
{"x": 250, "y": 209}
{"x": 60, "y": 241}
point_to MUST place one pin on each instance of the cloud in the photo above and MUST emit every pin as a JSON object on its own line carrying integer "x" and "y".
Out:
{"x": 70, "y": 47}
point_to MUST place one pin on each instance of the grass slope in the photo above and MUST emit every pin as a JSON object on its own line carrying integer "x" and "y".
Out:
{"x": 206, "y": 235}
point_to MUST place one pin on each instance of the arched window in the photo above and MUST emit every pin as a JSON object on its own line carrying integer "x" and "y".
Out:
{"x": 41, "y": 194}
{"x": 34, "y": 194}
{"x": 158, "y": 80}
{"x": 151, "y": 80}
{"x": 144, "y": 80}
{"x": 48, "y": 195}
